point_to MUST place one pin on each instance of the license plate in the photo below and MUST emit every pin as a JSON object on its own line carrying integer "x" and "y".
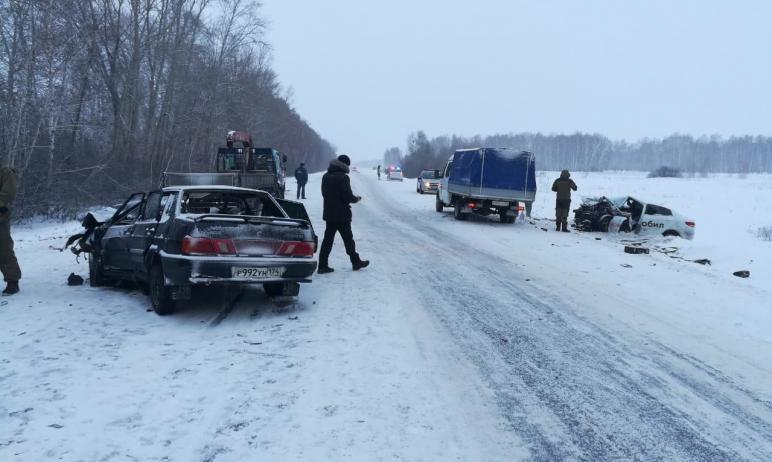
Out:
{"x": 500, "y": 203}
{"x": 258, "y": 273}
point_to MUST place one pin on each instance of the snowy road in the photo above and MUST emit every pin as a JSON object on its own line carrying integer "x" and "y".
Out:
{"x": 464, "y": 341}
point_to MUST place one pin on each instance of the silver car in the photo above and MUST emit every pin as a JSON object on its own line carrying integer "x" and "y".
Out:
{"x": 428, "y": 182}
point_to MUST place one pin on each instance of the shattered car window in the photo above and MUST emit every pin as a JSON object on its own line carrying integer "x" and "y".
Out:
{"x": 228, "y": 203}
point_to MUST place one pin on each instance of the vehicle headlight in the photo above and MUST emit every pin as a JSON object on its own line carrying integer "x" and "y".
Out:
{"x": 427, "y": 184}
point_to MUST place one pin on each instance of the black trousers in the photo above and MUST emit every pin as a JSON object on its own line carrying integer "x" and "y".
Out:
{"x": 301, "y": 187}
{"x": 344, "y": 228}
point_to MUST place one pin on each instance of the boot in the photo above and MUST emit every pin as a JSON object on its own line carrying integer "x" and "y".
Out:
{"x": 359, "y": 264}
{"x": 324, "y": 269}
{"x": 565, "y": 226}
{"x": 557, "y": 225}
{"x": 12, "y": 287}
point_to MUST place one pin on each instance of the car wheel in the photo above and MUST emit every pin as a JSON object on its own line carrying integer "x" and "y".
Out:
{"x": 438, "y": 205}
{"x": 160, "y": 293}
{"x": 671, "y": 233}
{"x": 96, "y": 272}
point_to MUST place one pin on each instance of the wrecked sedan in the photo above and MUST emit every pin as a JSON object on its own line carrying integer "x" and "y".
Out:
{"x": 627, "y": 214}
{"x": 178, "y": 237}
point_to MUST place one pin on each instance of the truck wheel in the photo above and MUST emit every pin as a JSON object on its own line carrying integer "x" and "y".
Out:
{"x": 96, "y": 272}
{"x": 160, "y": 293}
{"x": 504, "y": 218}
{"x": 671, "y": 233}
{"x": 457, "y": 211}
{"x": 438, "y": 205}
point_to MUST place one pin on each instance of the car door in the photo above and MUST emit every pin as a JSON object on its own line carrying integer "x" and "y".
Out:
{"x": 655, "y": 219}
{"x": 115, "y": 241}
{"x": 443, "y": 191}
{"x": 145, "y": 230}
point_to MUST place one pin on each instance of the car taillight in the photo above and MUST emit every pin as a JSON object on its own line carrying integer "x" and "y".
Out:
{"x": 472, "y": 205}
{"x": 207, "y": 246}
{"x": 296, "y": 249}
{"x": 690, "y": 224}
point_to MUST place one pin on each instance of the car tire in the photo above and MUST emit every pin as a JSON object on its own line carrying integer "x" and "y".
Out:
{"x": 96, "y": 271}
{"x": 504, "y": 218}
{"x": 438, "y": 205}
{"x": 671, "y": 233}
{"x": 160, "y": 293}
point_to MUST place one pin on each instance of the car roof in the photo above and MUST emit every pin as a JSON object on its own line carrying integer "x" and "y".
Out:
{"x": 213, "y": 187}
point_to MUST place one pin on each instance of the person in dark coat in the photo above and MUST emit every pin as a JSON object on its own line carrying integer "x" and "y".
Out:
{"x": 563, "y": 187}
{"x": 338, "y": 197}
{"x": 301, "y": 175}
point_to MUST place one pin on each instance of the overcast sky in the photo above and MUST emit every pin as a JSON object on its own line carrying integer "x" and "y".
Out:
{"x": 366, "y": 73}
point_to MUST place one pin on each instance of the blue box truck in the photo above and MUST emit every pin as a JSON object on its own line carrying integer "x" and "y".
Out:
{"x": 487, "y": 181}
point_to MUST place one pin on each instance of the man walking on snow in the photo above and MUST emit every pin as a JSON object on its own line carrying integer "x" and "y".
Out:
{"x": 8, "y": 263}
{"x": 338, "y": 197}
{"x": 301, "y": 176}
{"x": 563, "y": 187}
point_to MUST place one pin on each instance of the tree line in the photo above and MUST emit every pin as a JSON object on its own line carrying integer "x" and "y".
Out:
{"x": 594, "y": 152}
{"x": 98, "y": 97}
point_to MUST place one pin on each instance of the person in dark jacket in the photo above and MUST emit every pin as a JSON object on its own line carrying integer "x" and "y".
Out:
{"x": 9, "y": 266}
{"x": 338, "y": 197}
{"x": 563, "y": 187}
{"x": 301, "y": 175}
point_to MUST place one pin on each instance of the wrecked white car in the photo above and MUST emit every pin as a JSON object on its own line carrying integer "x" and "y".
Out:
{"x": 628, "y": 214}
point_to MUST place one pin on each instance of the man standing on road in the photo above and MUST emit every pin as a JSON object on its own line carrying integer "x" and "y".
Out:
{"x": 301, "y": 176}
{"x": 8, "y": 264}
{"x": 338, "y": 197}
{"x": 563, "y": 187}
{"x": 379, "y": 172}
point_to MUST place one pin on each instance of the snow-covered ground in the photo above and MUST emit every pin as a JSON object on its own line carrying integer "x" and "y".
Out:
{"x": 463, "y": 341}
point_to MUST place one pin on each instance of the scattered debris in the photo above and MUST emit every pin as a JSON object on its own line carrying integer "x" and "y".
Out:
{"x": 742, "y": 274}
{"x": 57, "y": 426}
{"x": 252, "y": 343}
{"x": 544, "y": 229}
{"x": 636, "y": 250}
{"x": 597, "y": 239}
{"x": 625, "y": 265}
{"x": 702, "y": 261}
{"x": 74, "y": 280}
{"x": 292, "y": 318}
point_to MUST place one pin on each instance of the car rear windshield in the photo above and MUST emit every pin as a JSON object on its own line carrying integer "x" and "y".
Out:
{"x": 229, "y": 203}
{"x": 428, "y": 175}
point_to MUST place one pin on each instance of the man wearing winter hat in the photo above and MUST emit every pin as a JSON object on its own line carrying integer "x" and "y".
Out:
{"x": 338, "y": 197}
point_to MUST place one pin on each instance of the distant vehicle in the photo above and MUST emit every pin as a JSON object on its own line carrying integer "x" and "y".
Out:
{"x": 247, "y": 167}
{"x": 627, "y": 214}
{"x": 487, "y": 181}
{"x": 394, "y": 173}
{"x": 428, "y": 181}
{"x": 354, "y": 169}
{"x": 178, "y": 237}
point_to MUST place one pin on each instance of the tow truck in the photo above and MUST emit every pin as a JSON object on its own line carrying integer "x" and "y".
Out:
{"x": 242, "y": 166}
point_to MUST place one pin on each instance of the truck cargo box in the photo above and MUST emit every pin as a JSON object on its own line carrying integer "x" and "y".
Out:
{"x": 494, "y": 173}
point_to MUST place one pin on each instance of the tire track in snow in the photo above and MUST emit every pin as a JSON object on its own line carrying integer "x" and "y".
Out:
{"x": 611, "y": 400}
